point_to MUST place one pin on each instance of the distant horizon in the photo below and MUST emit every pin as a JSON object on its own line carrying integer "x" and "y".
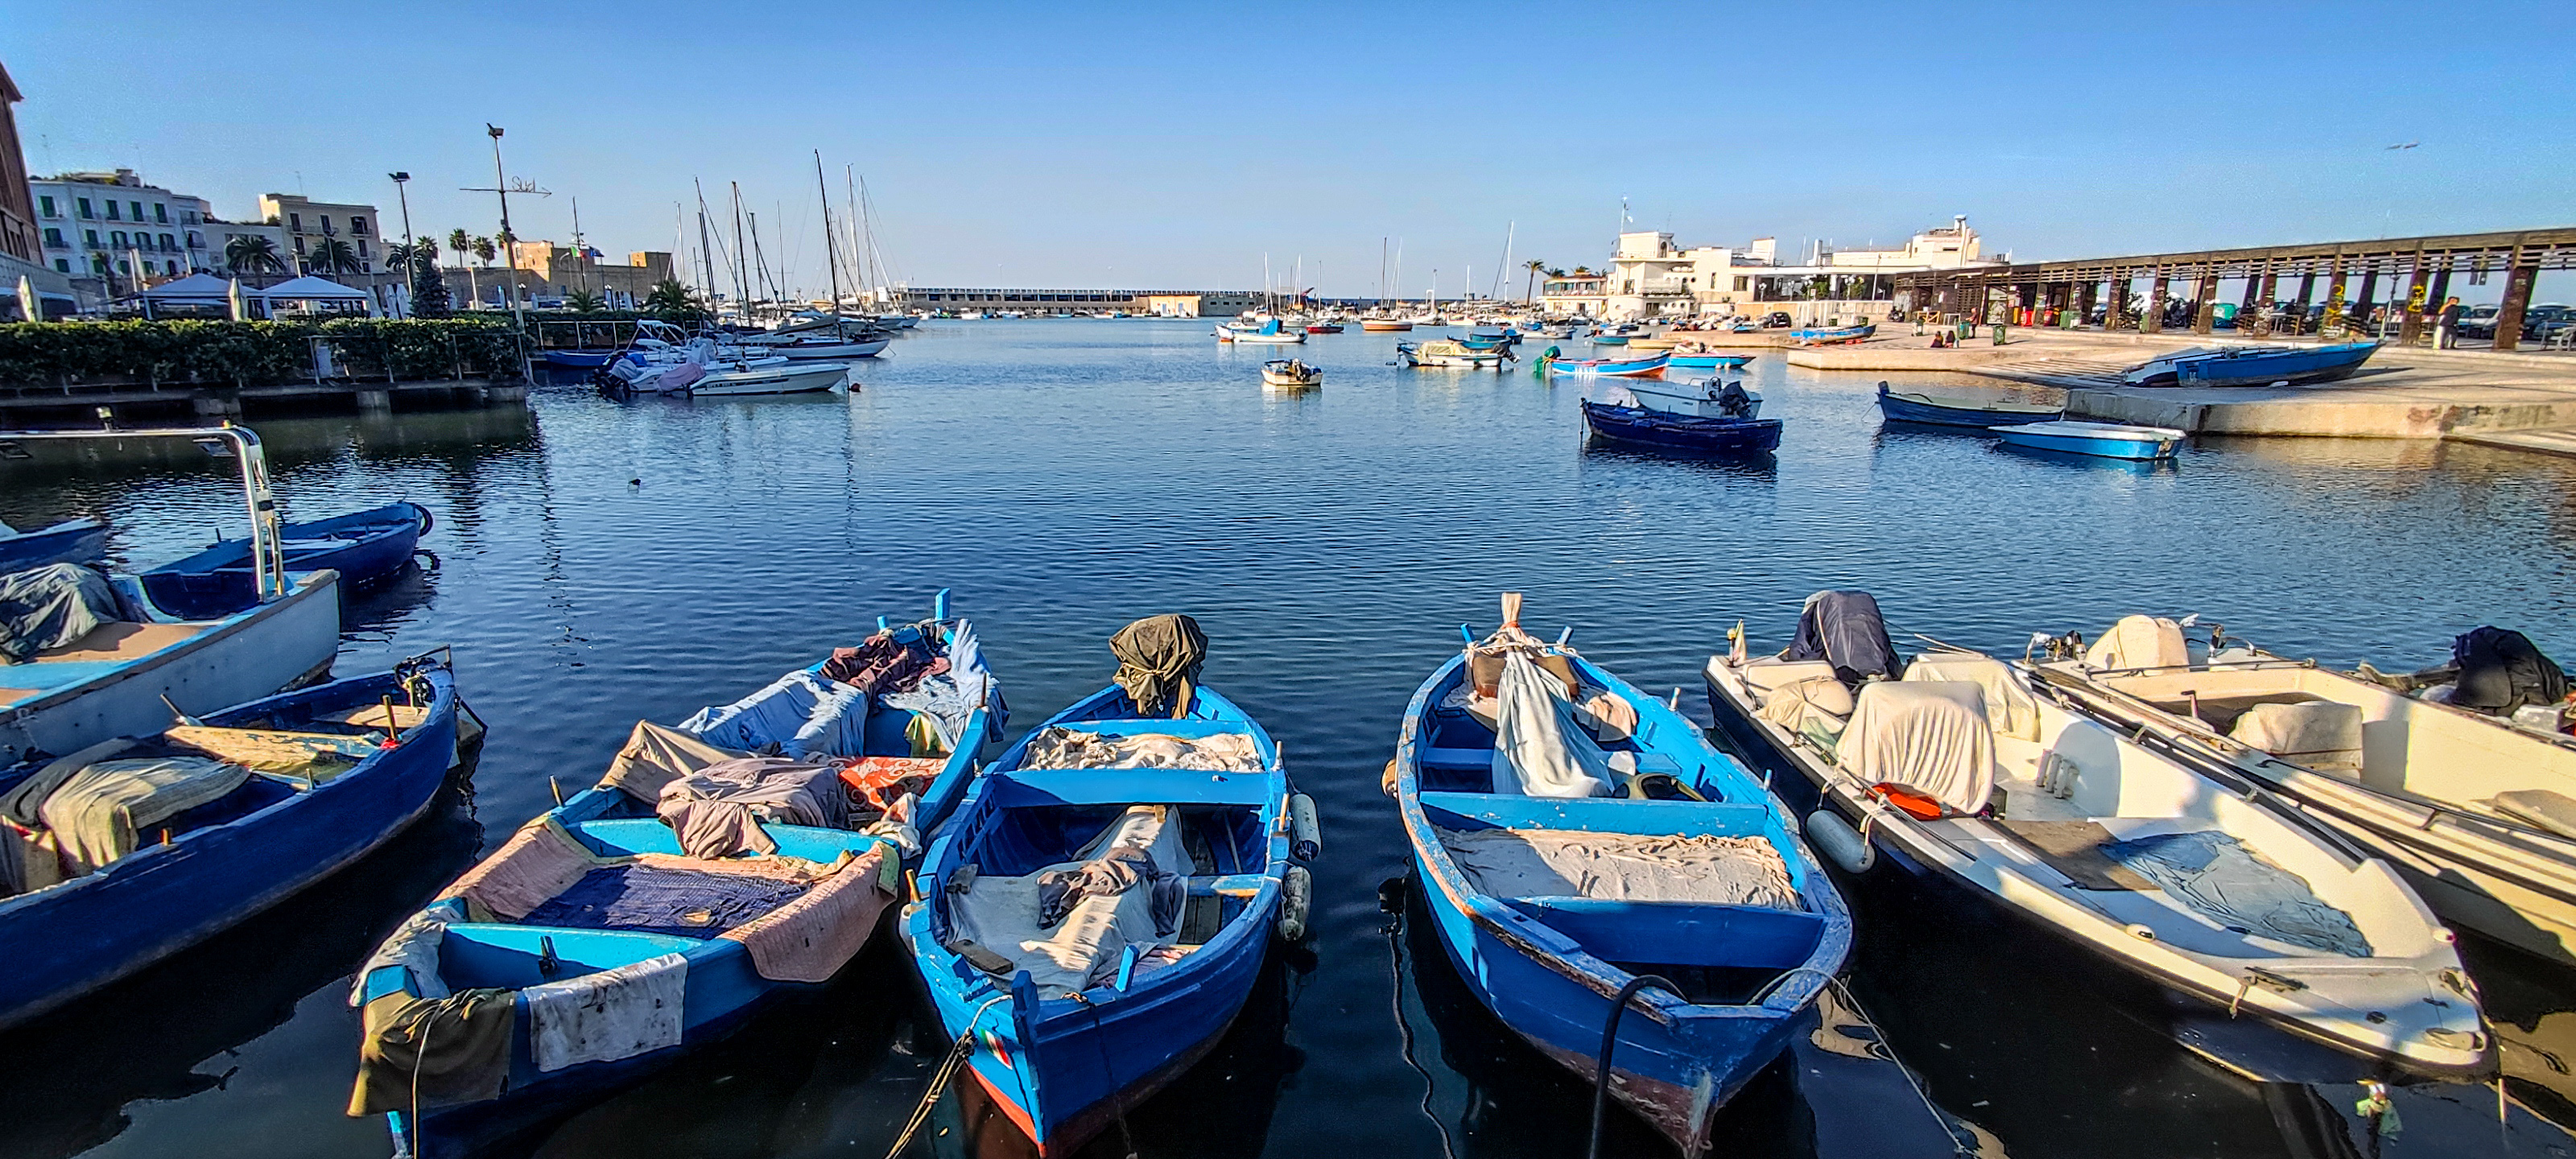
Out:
{"x": 1148, "y": 148}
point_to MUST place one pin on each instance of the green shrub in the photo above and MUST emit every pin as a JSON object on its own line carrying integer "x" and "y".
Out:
{"x": 251, "y": 353}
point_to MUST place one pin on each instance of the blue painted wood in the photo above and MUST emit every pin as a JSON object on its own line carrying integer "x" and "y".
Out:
{"x": 1604, "y": 367}
{"x": 1062, "y": 1068}
{"x": 2262, "y": 366}
{"x": 1921, "y": 409}
{"x": 72, "y": 541}
{"x": 2073, "y": 439}
{"x": 163, "y": 898}
{"x": 1548, "y": 967}
{"x": 1645, "y": 428}
{"x": 1811, "y": 335}
{"x": 365, "y": 547}
{"x": 1710, "y": 361}
{"x": 578, "y": 359}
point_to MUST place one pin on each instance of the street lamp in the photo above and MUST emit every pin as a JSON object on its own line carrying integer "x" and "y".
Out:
{"x": 411, "y": 260}
{"x": 501, "y": 183}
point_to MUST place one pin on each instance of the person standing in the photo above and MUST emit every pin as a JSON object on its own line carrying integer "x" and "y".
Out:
{"x": 2446, "y": 328}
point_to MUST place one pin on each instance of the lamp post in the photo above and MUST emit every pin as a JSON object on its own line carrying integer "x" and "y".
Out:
{"x": 501, "y": 186}
{"x": 411, "y": 260}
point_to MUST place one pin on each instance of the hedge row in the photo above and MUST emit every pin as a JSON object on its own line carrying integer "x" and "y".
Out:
{"x": 253, "y": 353}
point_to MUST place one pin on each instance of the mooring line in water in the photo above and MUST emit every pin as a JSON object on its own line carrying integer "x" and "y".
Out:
{"x": 939, "y": 1079}
{"x": 1957, "y": 1147}
{"x": 1404, "y": 1027}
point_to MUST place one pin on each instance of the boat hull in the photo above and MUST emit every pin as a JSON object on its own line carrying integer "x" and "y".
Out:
{"x": 162, "y": 899}
{"x": 783, "y": 380}
{"x": 2141, "y": 448}
{"x": 79, "y": 541}
{"x": 1378, "y": 327}
{"x": 1607, "y": 367}
{"x": 1645, "y": 428}
{"x": 1917, "y": 409}
{"x": 577, "y": 359}
{"x": 1710, "y": 361}
{"x": 365, "y": 547}
{"x": 1830, "y": 336}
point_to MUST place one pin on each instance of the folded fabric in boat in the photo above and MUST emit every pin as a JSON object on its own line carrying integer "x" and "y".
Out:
{"x": 432, "y": 1052}
{"x": 876, "y": 783}
{"x": 1121, "y": 869}
{"x": 2555, "y": 812}
{"x": 2009, "y": 706}
{"x": 413, "y": 946}
{"x": 1929, "y": 736}
{"x": 717, "y": 810}
{"x": 1709, "y": 870}
{"x": 811, "y": 938}
{"x": 2323, "y": 735}
{"x": 50, "y": 606}
{"x": 1001, "y": 913}
{"x": 1062, "y": 748}
{"x": 603, "y": 1017}
{"x": 2140, "y": 642}
{"x": 2214, "y": 873}
{"x": 1823, "y": 702}
{"x": 536, "y": 863}
{"x": 655, "y": 755}
{"x": 1158, "y": 663}
{"x": 947, "y": 700}
{"x": 885, "y": 662}
{"x": 799, "y": 714}
{"x": 1539, "y": 748}
{"x": 98, "y": 812}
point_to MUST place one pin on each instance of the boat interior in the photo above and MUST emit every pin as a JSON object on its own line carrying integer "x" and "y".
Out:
{"x": 1680, "y": 874}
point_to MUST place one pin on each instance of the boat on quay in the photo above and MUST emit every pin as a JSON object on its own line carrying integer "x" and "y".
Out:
{"x": 2273, "y": 946}
{"x": 2104, "y": 440}
{"x": 1446, "y": 353}
{"x": 2477, "y": 811}
{"x": 1832, "y": 335}
{"x": 96, "y": 657}
{"x": 2252, "y": 365}
{"x": 1582, "y": 850}
{"x": 124, "y": 852}
{"x": 1291, "y": 374}
{"x": 1096, "y": 912}
{"x": 1942, "y": 411}
{"x": 79, "y": 541}
{"x": 718, "y": 864}
{"x": 1703, "y": 417}
{"x": 366, "y": 547}
{"x": 1554, "y": 366}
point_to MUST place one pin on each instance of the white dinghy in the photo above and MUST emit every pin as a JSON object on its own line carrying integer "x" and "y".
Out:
{"x": 2200, "y": 883}
{"x": 2478, "y": 813}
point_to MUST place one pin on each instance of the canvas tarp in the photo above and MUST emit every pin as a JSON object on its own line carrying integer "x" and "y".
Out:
{"x": 1623, "y": 866}
{"x": 717, "y": 811}
{"x": 2323, "y": 735}
{"x": 1539, "y": 748}
{"x": 811, "y": 938}
{"x": 50, "y": 606}
{"x": 609, "y": 1015}
{"x": 2217, "y": 875}
{"x": 1158, "y": 662}
{"x": 1062, "y": 748}
{"x": 655, "y": 755}
{"x": 536, "y": 863}
{"x": 1845, "y": 629}
{"x": 101, "y": 812}
{"x": 2140, "y": 642}
{"x": 1928, "y": 736}
{"x": 1001, "y": 913}
{"x": 2009, "y": 706}
{"x": 800, "y": 713}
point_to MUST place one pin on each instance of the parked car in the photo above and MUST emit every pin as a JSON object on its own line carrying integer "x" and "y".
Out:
{"x": 2542, "y": 323}
{"x": 2479, "y": 321}
{"x": 1775, "y": 320}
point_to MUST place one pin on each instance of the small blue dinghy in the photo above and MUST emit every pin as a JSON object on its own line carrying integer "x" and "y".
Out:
{"x": 1583, "y": 851}
{"x": 2252, "y": 365}
{"x": 1831, "y": 335}
{"x": 2107, "y": 440}
{"x": 365, "y": 547}
{"x": 1095, "y": 913}
{"x": 1709, "y": 361}
{"x": 79, "y": 541}
{"x": 133, "y": 849}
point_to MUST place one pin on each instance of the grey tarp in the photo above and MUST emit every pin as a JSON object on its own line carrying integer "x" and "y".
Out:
{"x": 1158, "y": 662}
{"x": 717, "y": 810}
{"x": 1844, "y": 627}
{"x": 2215, "y": 873}
{"x": 50, "y": 606}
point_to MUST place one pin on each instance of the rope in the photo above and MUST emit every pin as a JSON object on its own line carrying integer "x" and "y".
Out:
{"x": 957, "y": 1055}
{"x": 1117, "y": 1106}
{"x": 1956, "y": 1147}
{"x": 1404, "y": 1026}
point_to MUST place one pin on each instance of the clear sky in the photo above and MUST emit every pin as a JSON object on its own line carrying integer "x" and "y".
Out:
{"x": 1145, "y": 145}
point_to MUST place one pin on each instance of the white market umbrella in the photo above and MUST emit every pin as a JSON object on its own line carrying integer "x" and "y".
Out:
{"x": 27, "y": 300}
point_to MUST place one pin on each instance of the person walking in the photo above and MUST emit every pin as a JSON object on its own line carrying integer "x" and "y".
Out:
{"x": 2446, "y": 327}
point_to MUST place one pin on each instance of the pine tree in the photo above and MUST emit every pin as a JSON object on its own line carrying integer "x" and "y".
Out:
{"x": 429, "y": 290}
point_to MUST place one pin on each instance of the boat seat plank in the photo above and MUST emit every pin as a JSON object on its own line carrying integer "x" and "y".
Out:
{"x": 1596, "y": 814}
{"x": 1680, "y": 932}
{"x": 1028, "y": 788}
{"x": 2074, "y": 848}
{"x": 618, "y": 836}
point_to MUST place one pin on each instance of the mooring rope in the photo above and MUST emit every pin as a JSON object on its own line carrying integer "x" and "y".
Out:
{"x": 957, "y": 1055}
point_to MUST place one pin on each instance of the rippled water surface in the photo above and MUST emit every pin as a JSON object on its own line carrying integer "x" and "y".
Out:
{"x": 602, "y": 561}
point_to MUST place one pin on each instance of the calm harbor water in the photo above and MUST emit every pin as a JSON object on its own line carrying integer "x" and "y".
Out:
{"x": 600, "y": 562}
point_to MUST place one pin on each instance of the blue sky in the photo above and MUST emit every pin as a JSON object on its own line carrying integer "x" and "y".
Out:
{"x": 1174, "y": 145}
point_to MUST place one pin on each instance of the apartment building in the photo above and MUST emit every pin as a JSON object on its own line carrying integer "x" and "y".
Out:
{"x": 112, "y": 224}
{"x": 308, "y": 224}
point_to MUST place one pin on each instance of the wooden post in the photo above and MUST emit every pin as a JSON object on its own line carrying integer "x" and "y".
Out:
{"x": 2204, "y": 313}
{"x": 2518, "y": 280}
{"x": 2151, "y": 319}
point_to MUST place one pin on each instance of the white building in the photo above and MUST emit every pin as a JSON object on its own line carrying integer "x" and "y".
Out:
{"x": 309, "y": 224}
{"x": 1650, "y": 277}
{"x": 96, "y": 224}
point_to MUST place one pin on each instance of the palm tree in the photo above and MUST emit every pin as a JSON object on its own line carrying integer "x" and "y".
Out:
{"x": 1533, "y": 266}
{"x": 583, "y": 301}
{"x": 672, "y": 300}
{"x": 483, "y": 249}
{"x": 332, "y": 256}
{"x": 245, "y": 254}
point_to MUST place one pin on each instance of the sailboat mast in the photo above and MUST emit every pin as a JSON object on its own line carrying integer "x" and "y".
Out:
{"x": 706, "y": 252}
{"x": 1381, "y": 271}
{"x": 1504, "y": 270}
{"x": 825, "y": 192}
{"x": 741, "y": 259}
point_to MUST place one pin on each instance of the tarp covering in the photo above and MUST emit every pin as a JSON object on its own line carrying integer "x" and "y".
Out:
{"x": 99, "y": 812}
{"x": 1928, "y": 736}
{"x": 2217, "y": 875}
{"x": 536, "y": 863}
{"x": 613, "y": 1014}
{"x": 800, "y": 713}
{"x": 1061, "y": 748}
{"x": 1844, "y": 627}
{"x": 50, "y": 606}
{"x": 2009, "y": 706}
{"x": 717, "y": 810}
{"x": 1539, "y": 748}
{"x": 2552, "y": 811}
{"x": 1158, "y": 662}
{"x": 2140, "y": 642}
{"x": 433, "y": 1052}
{"x": 664, "y": 899}
{"x": 1623, "y": 866}
{"x": 949, "y": 698}
{"x": 655, "y": 755}
{"x": 811, "y": 938}
{"x": 1002, "y": 913}
{"x": 2323, "y": 735}
{"x": 2501, "y": 671}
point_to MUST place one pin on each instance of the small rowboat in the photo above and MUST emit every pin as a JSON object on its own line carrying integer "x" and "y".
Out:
{"x": 1603, "y": 367}
{"x": 79, "y": 541}
{"x": 1447, "y": 353}
{"x": 1289, "y": 372}
{"x": 1609, "y": 339}
{"x": 1505, "y": 784}
{"x": 1831, "y": 335}
{"x": 577, "y": 359}
{"x": 1070, "y": 1023}
{"x": 2108, "y": 440}
{"x": 1638, "y": 426}
{"x": 1910, "y": 407}
{"x": 243, "y": 832}
{"x": 1710, "y": 361}
{"x": 365, "y": 547}
{"x": 2252, "y": 365}
{"x": 1384, "y": 325}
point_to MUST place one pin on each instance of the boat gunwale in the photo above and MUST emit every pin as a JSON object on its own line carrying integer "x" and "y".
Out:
{"x": 221, "y": 628}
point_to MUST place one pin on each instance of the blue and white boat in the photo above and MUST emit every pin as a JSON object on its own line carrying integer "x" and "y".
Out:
{"x": 1710, "y": 361}
{"x": 1594, "y": 866}
{"x": 365, "y": 547}
{"x": 1831, "y": 335}
{"x": 1267, "y": 331}
{"x": 122, "y": 665}
{"x": 1705, "y": 417}
{"x": 1936, "y": 410}
{"x": 125, "y": 852}
{"x": 1490, "y": 338}
{"x": 577, "y": 359}
{"x": 1555, "y": 367}
{"x": 71, "y": 541}
{"x": 2252, "y": 365}
{"x": 2108, "y": 440}
{"x": 1067, "y": 1024}
{"x": 658, "y": 910}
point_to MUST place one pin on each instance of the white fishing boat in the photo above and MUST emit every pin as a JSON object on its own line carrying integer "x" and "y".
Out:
{"x": 2477, "y": 812}
{"x": 1446, "y": 353}
{"x": 132, "y": 667}
{"x": 725, "y": 379}
{"x": 2196, "y": 879}
{"x": 1290, "y": 374}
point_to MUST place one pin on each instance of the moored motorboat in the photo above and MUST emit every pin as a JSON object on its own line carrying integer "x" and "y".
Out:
{"x": 2251, "y": 365}
{"x": 726, "y": 379}
{"x": 1095, "y": 913}
{"x": 1609, "y": 339}
{"x": 1323, "y": 327}
{"x": 366, "y": 547}
{"x": 1291, "y": 373}
{"x": 1445, "y": 353}
{"x": 2107, "y": 440}
{"x": 2234, "y": 905}
{"x": 1697, "y": 416}
{"x": 1267, "y": 331}
{"x": 576, "y": 359}
{"x": 1581, "y": 849}
{"x": 747, "y": 852}
{"x": 2477, "y": 811}
{"x": 127, "y": 851}
{"x": 1556, "y": 367}
{"x": 70, "y": 541}
{"x": 1938, "y": 410}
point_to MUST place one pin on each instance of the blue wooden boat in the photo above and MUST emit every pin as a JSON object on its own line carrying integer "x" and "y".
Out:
{"x": 286, "y": 790}
{"x": 2251, "y": 365}
{"x": 1710, "y": 361}
{"x": 365, "y": 547}
{"x": 1913, "y": 407}
{"x": 71, "y": 541}
{"x": 1665, "y": 430}
{"x": 1830, "y": 335}
{"x": 1065, "y": 1050}
{"x": 2107, "y": 440}
{"x": 1735, "y": 968}
{"x": 1609, "y": 339}
{"x": 716, "y": 936}
{"x": 1601, "y": 367}
{"x": 1485, "y": 338}
{"x": 577, "y": 359}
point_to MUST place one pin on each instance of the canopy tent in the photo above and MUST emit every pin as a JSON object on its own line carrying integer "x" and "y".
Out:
{"x": 317, "y": 291}
{"x": 195, "y": 288}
